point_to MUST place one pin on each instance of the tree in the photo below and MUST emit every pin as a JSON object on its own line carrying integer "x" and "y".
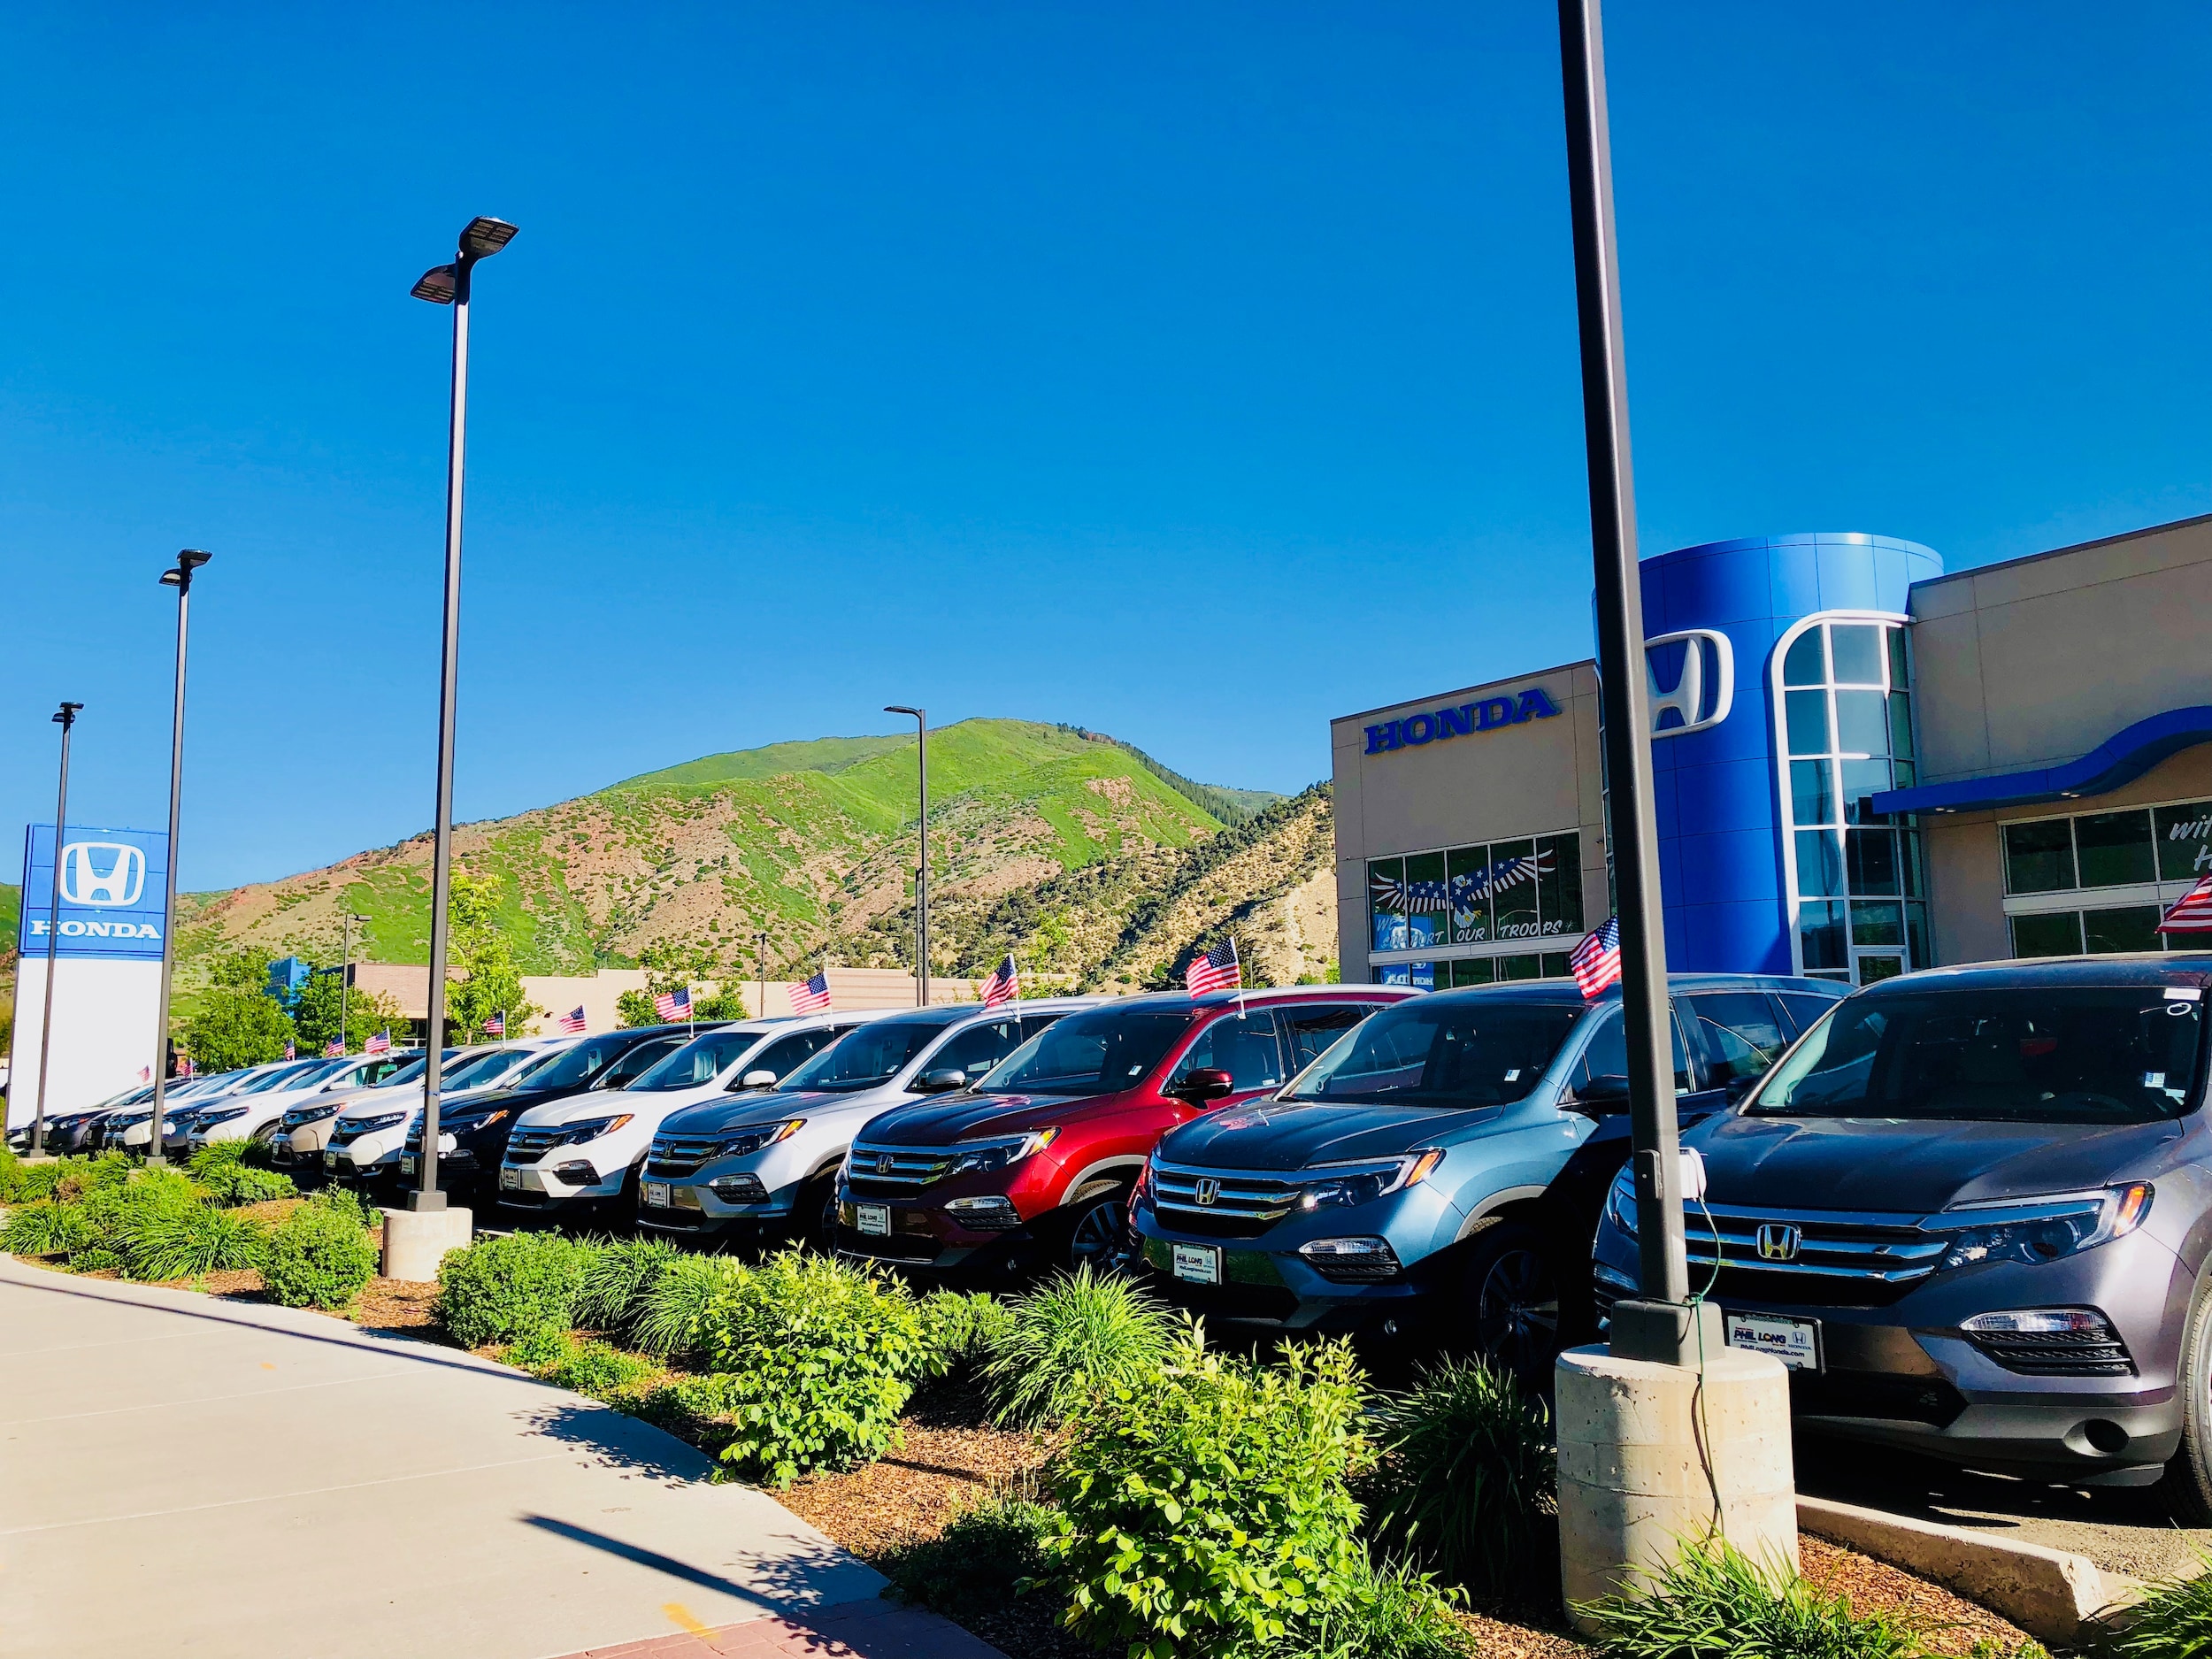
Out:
{"x": 478, "y": 946}
{"x": 367, "y": 1013}
{"x": 236, "y": 1027}
{"x": 635, "y": 1008}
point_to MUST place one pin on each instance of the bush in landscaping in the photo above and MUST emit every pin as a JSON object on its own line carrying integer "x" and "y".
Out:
{"x": 1391, "y": 1612}
{"x": 115, "y": 1210}
{"x": 962, "y": 1328}
{"x": 2173, "y": 1619}
{"x": 816, "y": 1359}
{"x": 1074, "y": 1337}
{"x": 163, "y": 1242}
{"x": 66, "y": 1179}
{"x": 318, "y": 1258}
{"x": 617, "y": 1282}
{"x": 500, "y": 1290}
{"x": 977, "y": 1562}
{"x": 343, "y": 1200}
{"x": 601, "y": 1370}
{"x": 45, "y": 1227}
{"x": 1466, "y": 1479}
{"x": 1207, "y": 1509}
{"x": 543, "y": 1347}
{"x": 222, "y": 1168}
{"x": 1715, "y": 1603}
{"x": 672, "y": 1314}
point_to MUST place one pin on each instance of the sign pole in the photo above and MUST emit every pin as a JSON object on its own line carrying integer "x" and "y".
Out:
{"x": 65, "y": 719}
{"x": 180, "y": 579}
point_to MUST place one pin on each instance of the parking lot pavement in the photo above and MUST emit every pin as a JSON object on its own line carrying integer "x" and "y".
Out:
{"x": 2122, "y": 1530}
{"x": 183, "y": 1475}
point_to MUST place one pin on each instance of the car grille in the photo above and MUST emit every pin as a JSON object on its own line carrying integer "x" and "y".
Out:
{"x": 903, "y": 1247}
{"x": 527, "y": 1144}
{"x": 2058, "y": 1353}
{"x": 346, "y": 1134}
{"x": 677, "y": 1155}
{"x": 896, "y": 1169}
{"x": 1812, "y": 1256}
{"x": 1221, "y": 1203}
{"x": 1271, "y": 1304}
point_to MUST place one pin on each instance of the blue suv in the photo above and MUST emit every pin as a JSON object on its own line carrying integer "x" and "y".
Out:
{"x": 1443, "y": 1164}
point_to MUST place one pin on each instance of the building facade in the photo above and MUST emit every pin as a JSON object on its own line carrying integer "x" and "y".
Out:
{"x": 1862, "y": 765}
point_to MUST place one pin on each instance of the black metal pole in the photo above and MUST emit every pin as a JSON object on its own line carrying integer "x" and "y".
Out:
{"x": 64, "y": 718}
{"x": 1623, "y": 699}
{"x": 921, "y": 873}
{"x": 180, "y": 579}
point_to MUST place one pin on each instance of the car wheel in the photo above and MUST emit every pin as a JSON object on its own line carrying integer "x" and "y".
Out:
{"x": 2186, "y": 1485}
{"x": 1099, "y": 1237}
{"x": 814, "y": 1217}
{"x": 1511, "y": 1300}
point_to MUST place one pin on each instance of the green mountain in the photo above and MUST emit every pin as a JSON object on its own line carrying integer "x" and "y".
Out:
{"x": 11, "y": 915}
{"x": 814, "y": 843}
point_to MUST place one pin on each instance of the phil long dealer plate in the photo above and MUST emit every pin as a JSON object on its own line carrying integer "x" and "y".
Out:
{"x": 1795, "y": 1342}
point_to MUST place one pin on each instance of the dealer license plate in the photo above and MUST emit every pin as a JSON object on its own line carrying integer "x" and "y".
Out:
{"x": 1795, "y": 1342}
{"x": 655, "y": 1193}
{"x": 330, "y": 1160}
{"x": 509, "y": 1178}
{"x": 1198, "y": 1263}
{"x": 873, "y": 1219}
{"x": 407, "y": 1166}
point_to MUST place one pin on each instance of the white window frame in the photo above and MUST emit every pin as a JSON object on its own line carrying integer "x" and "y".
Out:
{"x": 2164, "y": 891}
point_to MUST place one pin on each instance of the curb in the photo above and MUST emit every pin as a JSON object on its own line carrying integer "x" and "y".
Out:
{"x": 2053, "y": 1595}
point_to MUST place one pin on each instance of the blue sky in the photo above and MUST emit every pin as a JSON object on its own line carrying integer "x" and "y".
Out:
{"x": 1192, "y": 373}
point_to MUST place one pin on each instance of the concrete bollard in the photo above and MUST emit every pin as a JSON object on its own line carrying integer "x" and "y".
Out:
{"x": 416, "y": 1241}
{"x": 1634, "y": 1483}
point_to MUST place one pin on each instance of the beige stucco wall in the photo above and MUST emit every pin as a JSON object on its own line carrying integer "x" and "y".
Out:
{"x": 1531, "y": 779}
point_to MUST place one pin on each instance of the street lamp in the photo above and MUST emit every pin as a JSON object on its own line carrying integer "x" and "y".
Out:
{"x": 64, "y": 718}
{"x": 921, "y": 872}
{"x": 760, "y": 947}
{"x": 179, "y": 577}
{"x": 448, "y": 285}
{"x": 345, "y": 976}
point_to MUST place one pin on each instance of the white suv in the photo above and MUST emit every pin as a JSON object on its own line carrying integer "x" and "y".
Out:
{"x": 765, "y": 1163}
{"x": 583, "y": 1153}
{"x": 237, "y": 1116}
{"x": 305, "y": 1130}
{"x": 363, "y": 1142}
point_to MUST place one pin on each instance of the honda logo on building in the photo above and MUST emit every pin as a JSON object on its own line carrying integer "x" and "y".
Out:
{"x": 1704, "y": 687}
{"x": 1778, "y": 1241}
{"x": 1208, "y": 1189}
{"x": 103, "y": 873}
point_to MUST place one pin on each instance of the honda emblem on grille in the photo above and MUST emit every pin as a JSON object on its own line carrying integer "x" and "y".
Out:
{"x": 1778, "y": 1241}
{"x": 1208, "y": 1189}
{"x": 883, "y": 1163}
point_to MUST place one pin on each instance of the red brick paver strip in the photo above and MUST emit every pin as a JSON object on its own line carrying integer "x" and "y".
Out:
{"x": 852, "y": 1630}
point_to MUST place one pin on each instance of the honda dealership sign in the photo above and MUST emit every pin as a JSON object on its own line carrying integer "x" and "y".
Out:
{"x": 106, "y": 939}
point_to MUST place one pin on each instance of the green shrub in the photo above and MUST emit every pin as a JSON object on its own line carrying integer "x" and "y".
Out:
{"x": 1073, "y": 1338}
{"x": 2174, "y": 1619}
{"x": 500, "y": 1290}
{"x": 163, "y": 1242}
{"x": 343, "y": 1200}
{"x": 318, "y": 1258}
{"x": 11, "y": 1171}
{"x": 962, "y": 1328}
{"x": 220, "y": 1166}
{"x": 978, "y": 1563}
{"x": 1466, "y": 1479}
{"x": 671, "y": 1318}
{"x": 66, "y": 1179}
{"x": 601, "y": 1370}
{"x": 543, "y": 1347}
{"x": 1207, "y": 1509}
{"x": 45, "y": 1227}
{"x": 617, "y": 1282}
{"x": 1391, "y": 1612}
{"x": 1715, "y": 1603}
{"x": 817, "y": 1357}
{"x": 692, "y": 1408}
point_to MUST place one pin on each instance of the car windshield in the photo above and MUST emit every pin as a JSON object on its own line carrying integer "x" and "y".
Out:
{"x": 1094, "y": 1052}
{"x": 700, "y": 1061}
{"x": 474, "y": 1070}
{"x": 869, "y": 1055}
{"x": 573, "y": 1068}
{"x": 2058, "y": 1053}
{"x": 280, "y": 1078}
{"x": 1453, "y": 1053}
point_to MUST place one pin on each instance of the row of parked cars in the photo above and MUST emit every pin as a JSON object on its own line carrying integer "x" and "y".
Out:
{"x": 1971, "y": 1208}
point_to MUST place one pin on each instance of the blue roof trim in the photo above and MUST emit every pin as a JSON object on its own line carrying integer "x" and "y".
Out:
{"x": 2119, "y": 759}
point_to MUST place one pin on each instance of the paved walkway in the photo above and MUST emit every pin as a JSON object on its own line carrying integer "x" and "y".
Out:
{"x": 180, "y": 1475}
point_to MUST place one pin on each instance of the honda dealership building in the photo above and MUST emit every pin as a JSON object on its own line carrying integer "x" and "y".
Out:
{"x": 1864, "y": 766}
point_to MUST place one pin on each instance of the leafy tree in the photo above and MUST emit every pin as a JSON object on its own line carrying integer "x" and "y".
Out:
{"x": 635, "y": 1008}
{"x": 244, "y": 969}
{"x": 237, "y": 1027}
{"x": 367, "y": 1013}
{"x": 478, "y": 946}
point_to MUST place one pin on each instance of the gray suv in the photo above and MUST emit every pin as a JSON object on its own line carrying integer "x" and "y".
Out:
{"x": 1971, "y": 1209}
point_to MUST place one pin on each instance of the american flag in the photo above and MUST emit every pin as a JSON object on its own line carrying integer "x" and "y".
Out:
{"x": 184, "y": 1065}
{"x": 1004, "y": 984}
{"x": 2191, "y": 913}
{"x": 145, "y": 1074}
{"x": 334, "y": 1049}
{"x": 382, "y": 1043}
{"x": 813, "y": 997}
{"x": 1596, "y": 961}
{"x": 1217, "y": 969}
{"x": 291, "y": 1053}
{"x": 673, "y": 1005}
{"x": 572, "y": 1022}
{"x": 497, "y": 1026}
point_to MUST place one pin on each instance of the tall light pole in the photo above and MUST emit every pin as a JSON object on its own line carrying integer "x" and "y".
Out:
{"x": 345, "y": 976}
{"x": 760, "y": 947}
{"x": 65, "y": 717}
{"x": 1658, "y": 1325}
{"x": 921, "y": 873}
{"x": 448, "y": 285}
{"x": 179, "y": 577}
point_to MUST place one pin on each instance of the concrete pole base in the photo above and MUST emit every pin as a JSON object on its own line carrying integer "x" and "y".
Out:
{"x": 416, "y": 1241}
{"x": 1650, "y": 1461}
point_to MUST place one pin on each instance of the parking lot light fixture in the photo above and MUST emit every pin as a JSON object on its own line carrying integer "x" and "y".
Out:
{"x": 178, "y": 576}
{"x": 448, "y": 285}
{"x": 760, "y": 947}
{"x": 921, "y": 872}
{"x": 66, "y": 716}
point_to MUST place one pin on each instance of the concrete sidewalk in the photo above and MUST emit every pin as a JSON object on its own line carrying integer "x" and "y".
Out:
{"x": 181, "y": 1475}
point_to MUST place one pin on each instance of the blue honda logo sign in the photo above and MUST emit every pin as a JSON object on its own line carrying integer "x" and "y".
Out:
{"x": 113, "y": 885}
{"x": 1413, "y": 730}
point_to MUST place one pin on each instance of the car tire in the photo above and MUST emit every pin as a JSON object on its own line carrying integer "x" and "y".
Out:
{"x": 2186, "y": 1486}
{"x": 1097, "y": 1233}
{"x": 1510, "y": 1301}
{"x": 814, "y": 1215}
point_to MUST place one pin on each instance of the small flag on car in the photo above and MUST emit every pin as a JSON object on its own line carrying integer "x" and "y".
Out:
{"x": 382, "y": 1043}
{"x": 813, "y": 997}
{"x": 1217, "y": 969}
{"x": 497, "y": 1025}
{"x": 291, "y": 1053}
{"x": 1596, "y": 961}
{"x": 673, "y": 1005}
{"x": 1003, "y": 986}
{"x": 572, "y": 1022}
{"x": 334, "y": 1049}
{"x": 2191, "y": 913}
{"x": 184, "y": 1065}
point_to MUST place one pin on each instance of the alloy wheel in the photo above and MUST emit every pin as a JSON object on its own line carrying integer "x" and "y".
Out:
{"x": 1097, "y": 1238}
{"x": 1516, "y": 1313}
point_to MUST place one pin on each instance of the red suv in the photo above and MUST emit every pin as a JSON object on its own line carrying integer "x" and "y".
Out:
{"x": 1032, "y": 1166}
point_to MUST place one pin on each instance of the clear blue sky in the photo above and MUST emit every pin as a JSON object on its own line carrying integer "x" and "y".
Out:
{"x": 1190, "y": 372}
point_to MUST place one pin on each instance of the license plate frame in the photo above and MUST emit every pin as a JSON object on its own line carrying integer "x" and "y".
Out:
{"x": 407, "y": 1166}
{"x": 1195, "y": 1264}
{"x": 509, "y": 1178}
{"x": 1796, "y": 1342}
{"x": 873, "y": 1220}
{"x": 653, "y": 1195}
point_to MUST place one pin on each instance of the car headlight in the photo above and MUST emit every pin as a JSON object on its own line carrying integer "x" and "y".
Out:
{"x": 577, "y": 1134}
{"x": 369, "y": 1126}
{"x": 1368, "y": 1179}
{"x": 988, "y": 1156}
{"x": 2041, "y": 1230}
{"x": 755, "y": 1136}
{"x": 1620, "y": 1202}
{"x": 204, "y": 1119}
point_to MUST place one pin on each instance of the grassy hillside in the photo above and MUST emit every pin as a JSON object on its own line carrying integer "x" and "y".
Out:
{"x": 10, "y": 914}
{"x": 814, "y": 842}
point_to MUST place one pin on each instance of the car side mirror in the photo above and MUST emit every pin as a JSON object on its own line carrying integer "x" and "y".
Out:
{"x": 1208, "y": 1082}
{"x": 760, "y": 1077}
{"x": 941, "y": 1081}
{"x": 1603, "y": 1095}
